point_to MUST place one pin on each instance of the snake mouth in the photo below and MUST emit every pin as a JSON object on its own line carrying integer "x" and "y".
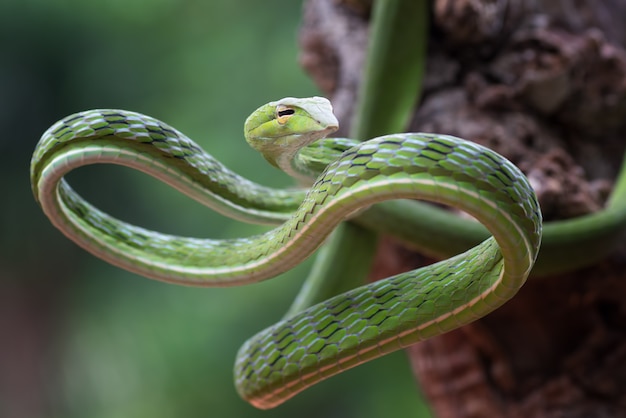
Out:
{"x": 322, "y": 133}
{"x": 317, "y": 134}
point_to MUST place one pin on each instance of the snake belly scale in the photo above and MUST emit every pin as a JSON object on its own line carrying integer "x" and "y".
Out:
{"x": 347, "y": 329}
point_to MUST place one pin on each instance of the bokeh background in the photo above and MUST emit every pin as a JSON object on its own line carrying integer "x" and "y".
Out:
{"x": 81, "y": 338}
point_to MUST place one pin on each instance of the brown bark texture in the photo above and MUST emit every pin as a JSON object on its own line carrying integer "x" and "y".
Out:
{"x": 544, "y": 84}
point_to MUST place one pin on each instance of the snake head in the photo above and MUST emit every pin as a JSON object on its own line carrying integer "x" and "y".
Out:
{"x": 279, "y": 129}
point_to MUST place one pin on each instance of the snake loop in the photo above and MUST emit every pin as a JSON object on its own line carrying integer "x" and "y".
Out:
{"x": 343, "y": 331}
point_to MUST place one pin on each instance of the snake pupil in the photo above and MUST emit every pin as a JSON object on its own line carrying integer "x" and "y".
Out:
{"x": 286, "y": 112}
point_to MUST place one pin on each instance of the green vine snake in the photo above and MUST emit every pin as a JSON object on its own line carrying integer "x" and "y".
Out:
{"x": 347, "y": 180}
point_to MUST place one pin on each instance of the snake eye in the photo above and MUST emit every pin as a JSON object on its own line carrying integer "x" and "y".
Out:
{"x": 283, "y": 113}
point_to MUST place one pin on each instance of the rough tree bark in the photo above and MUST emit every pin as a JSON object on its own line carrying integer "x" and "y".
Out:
{"x": 543, "y": 83}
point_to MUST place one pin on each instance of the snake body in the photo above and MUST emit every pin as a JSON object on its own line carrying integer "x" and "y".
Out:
{"x": 343, "y": 331}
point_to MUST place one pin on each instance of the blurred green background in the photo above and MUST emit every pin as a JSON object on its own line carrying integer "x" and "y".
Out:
{"x": 81, "y": 338}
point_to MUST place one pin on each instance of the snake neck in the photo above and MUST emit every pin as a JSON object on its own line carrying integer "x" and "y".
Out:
{"x": 288, "y": 154}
